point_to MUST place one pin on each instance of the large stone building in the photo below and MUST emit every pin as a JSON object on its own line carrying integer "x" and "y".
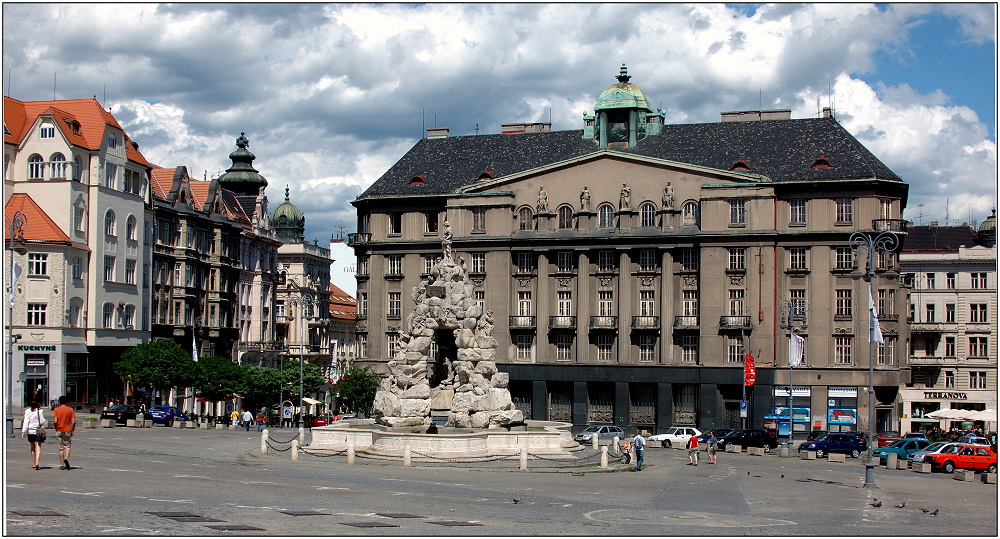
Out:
{"x": 951, "y": 274}
{"x": 627, "y": 262}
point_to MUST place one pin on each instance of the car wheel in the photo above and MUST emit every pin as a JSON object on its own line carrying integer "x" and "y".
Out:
{"x": 665, "y": 443}
{"x": 855, "y": 453}
{"x": 992, "y": 468}
{"x": 767, "y": 448}
{"x": 820, "y": 453}
{"x": 949, "y": 467}
{"x": 168, "y": 423}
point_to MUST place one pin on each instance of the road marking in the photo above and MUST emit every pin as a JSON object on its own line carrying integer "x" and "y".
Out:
{"x": 121, "y": 470}
{"x": 126, "y": 529}
{"x": 331, "y": 488}
{"x": 191, "y": 476}
{"x": 16, "y": 485}
{"x": 97, "y": 494}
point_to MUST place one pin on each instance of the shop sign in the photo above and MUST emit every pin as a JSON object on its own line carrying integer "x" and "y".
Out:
{"x": 37, "y": 347}
{"x": 954, "y": 395}
{"x": 35, "y": 362}
{"x": 842, "y": 392}
{"x": 843, "y": 416}
{"x": 798, "y": 391}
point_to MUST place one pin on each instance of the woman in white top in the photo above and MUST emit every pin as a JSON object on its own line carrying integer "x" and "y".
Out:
{"x": 33, "y": 419}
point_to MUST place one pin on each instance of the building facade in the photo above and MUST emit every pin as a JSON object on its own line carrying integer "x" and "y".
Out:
{"x": 630, "y": 266}
{"x": 950, "y": 273}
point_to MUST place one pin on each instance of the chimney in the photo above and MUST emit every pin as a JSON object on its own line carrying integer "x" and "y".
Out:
{"x": 521, "y": 127}
{"x": 437, "y": 132}
{"x": 756, "y": 115}
{"x": 934, "y": 223}
{"x": 827, "y": 112}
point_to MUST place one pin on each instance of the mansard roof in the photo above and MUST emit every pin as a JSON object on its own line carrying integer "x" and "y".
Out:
{"x": 938, "y": 238}
{"x": 779, "y": 150}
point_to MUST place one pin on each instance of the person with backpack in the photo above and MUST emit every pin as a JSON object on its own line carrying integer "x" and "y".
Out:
{"x": 639, "y": 443}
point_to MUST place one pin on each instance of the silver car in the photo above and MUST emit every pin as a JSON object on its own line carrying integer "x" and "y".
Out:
{"x": 605, "y": 434}
{"x": 936, "y": 447}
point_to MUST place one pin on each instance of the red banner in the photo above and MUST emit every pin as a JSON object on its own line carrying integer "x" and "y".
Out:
{"x": 749, "y": 371}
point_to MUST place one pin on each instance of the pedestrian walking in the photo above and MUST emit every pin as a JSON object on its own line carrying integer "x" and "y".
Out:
{"x": 260, "y": 421}
{"x": 639, "y": 443}
{"x": 693, "y": 450}
{"x": 247, "y": 419}
{"x": 65, "y": 427}
{"x": 234, "y": 417}
{"x": 713, "y": 446}
{"x": 33, "y": 420}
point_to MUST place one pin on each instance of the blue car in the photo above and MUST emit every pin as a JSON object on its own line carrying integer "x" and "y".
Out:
{"x": 165, "y": 415}
{"x": 835, "y": 442}
{"x": 903, "y": 448}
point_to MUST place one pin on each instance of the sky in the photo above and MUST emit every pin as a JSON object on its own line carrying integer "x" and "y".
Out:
{"x": 331, "y": 95}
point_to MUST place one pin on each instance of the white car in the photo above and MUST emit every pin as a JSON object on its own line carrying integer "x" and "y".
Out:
{"x": 675, "y": 437}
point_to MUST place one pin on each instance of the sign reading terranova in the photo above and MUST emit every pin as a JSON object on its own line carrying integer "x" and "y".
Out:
{"x": 945, "y": 395}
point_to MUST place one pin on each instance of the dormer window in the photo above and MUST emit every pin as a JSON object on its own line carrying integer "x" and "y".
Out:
{"x": 740, "y": 166}
{"x": 485, "y": 176}
{"x": 822, "y": 162}
{"x": 418, "y": 180}
{"x": 74, "y": 126}
{"x": 112, "y": 142}
{"x": 47, "y": 131}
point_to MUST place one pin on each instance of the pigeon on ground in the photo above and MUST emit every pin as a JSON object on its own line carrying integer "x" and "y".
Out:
{"x": 924, "y": 510}
{"x": 901, "y": 505}
{"x": 877, "y": 504}
{"x": 934, "y": 512}
{"x": 782, "y": 476}
{"x": 517, "y": 500}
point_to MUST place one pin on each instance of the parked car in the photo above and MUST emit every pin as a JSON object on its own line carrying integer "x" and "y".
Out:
{"x": 718, "y": 433}
{"x": 750, "y": 438}
{"x": 121, "y": 413}
{"x": 165, "y": 415}
{"x": 974, "y": 440}
{"x": 321, "y": 420}
{"x": 675, "y": 437}
{"x": 815, "y": 434}
{"x": 835, "y": 442}
{"x": 887, "y": 437}
{"x": 902, "y": 448}
{"x": 915, "y": 435}
{"x": 605, "y": 434}
{"x": 967, "y": 457}
{"x": 936, "y": 447}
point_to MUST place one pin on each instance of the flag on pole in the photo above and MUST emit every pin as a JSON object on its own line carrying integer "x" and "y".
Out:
{"x": 16, "y": 272}
{"x": 749, "y": 370}
{"x": 194, "y": 344}
{"x": 796, "y": 346}
{"x": 875, "y": 332}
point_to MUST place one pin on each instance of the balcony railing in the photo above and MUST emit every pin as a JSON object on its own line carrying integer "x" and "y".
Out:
{"x": 891, "y": 225}
{"x": 685, "y": 322}
{"x": 359, "y": 238}
{"x": 522, "y": 322}
{"x": 926, "y": 327}
{"x": 646, "y": 322}
{"x": 734, "y": 322}
{"x": 260, "y": 346}
{"x": 603, "y": 322}
{"x": 562, "y": 322}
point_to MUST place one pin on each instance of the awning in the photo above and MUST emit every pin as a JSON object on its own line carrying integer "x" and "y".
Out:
{"x": 308, "y": 400}
{"x": 958, "y": 414}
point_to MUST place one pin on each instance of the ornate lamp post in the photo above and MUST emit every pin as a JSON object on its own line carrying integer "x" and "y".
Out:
{"x": 793, "y": 309}
{"x": 870, "y": 242}
{"x": 15, "y": 232}
{"x": 301, "y": 302}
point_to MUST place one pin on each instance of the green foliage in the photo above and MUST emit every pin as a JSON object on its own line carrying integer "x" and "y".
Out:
{"x": 218, "y": 378}
{"x": 261, "y": 384}
{"x": 358, "y": 387}
{"x": 162, "y": 364}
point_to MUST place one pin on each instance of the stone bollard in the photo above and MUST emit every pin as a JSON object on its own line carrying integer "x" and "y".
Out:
{"x": 734, "y": 448}
{"x": 350, "y": 453}
{"x": 618, "y": 444}
{"x": 524, "y": 458}
{"x": 902, "y": 464}
{"x": 108, "y": 423}
{"x": 593, "y": 440}
{"x": 808, "y": 455}
{"x": 988, "y": 478}
{"x": 406, "y": 456}
{"x": 922, "y": 467}
{"x": 965, "y": 475}
{"x": 295, "y": 450}
{"x": 784, "y": 452}
{"x": 220, "y": 426}
{"x": 263, "y": 442}
{"x": 836, "y": 457}
{"x": 890, "y": 461}
{"x": 604, "y": 457}
{"x": 755, "y": 451}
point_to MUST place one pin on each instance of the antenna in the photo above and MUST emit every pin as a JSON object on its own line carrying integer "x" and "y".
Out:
{"x": 946, "y": 212}
{"x": 54, "y": 86}
{"x": 760, "y": 100}
{"x": 920, "y": 214}
{"x": 477, "y": 128}
{"x": 8, "y": 82}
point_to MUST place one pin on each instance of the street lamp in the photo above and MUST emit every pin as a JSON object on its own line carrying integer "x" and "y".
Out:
{"x": 885, "y": 242}
{"x": 301, "y": 302}
{"x": 15, "y": 232}
{"x": 793, "y": 309}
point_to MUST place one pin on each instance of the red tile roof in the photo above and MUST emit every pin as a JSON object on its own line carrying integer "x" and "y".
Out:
{"x": 158, "y": 178}
{"x": 342, "y": 305}
{"x": 38, "y": 226}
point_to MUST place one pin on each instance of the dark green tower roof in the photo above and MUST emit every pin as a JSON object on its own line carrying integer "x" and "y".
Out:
{"x": 288, "y": 222}
{"x": 242, "y": 178}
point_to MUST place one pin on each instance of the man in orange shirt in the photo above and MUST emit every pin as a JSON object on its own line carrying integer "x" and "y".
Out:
{"x": 65, "y": 427}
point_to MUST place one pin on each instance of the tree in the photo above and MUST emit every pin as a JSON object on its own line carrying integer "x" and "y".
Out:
{"x": 218, "y": 378}
{"x": 162, "y": 364}
{"x": 261, "y": 384}
{"x": 358, "y": 387}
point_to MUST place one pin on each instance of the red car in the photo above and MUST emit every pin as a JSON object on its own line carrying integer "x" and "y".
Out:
{"x": 887, "y": 437}
{"x": 321, "y": 421}
{"x": 968, "y": 457}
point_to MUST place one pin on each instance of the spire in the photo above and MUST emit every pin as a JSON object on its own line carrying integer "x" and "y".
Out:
{"x": 623, "y": 77}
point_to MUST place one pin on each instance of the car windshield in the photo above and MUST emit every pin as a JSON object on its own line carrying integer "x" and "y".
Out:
{"x": 823, "y": 438}
{"x": 951, "y": 449}
{"x": 899, "y": 443}
{"x": 935, "y": 446}
{"x": 591, "y": 429}
{"x": 890, "y": 434}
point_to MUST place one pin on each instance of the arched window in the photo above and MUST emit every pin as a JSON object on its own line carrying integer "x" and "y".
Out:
{"x": 58, "y": 167}
{"x": 606, "y": 216}
{"x": 691, "y": 214}
{"x": 524, "y": 218}
{"x": 130, "y": 228}
{"x": 36, "y": 167}
{"x": 565, "y": 217}
{"x": 128, "y": 317}
{"x": 109, "y": 223}
{"x": 647, "y": 214}
{"x": 109, "y": 315}
{"x": 77, "y": 168}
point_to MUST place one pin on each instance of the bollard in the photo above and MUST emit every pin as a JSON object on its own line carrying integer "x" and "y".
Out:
{"x": 524, "y": 458}
{"x": 593, "y": 440}
{"x": 604, "y": 457}
{"x": 263, "y": 442}
{"x": 295, "y": 449}
{"x": 302, "y": 434}
{"x": 350, "y": 453}
{"x": 406, "y": 456}
{"x": 618, "y": 444}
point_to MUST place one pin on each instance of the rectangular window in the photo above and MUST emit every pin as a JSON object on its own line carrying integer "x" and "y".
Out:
{"x": 647, "y": 260}
{"x": 979, "y": 347}
{"x": 110, "y": 175}
{"x": 479, "y": 297}
{"x": 109, "y": 269}
{"x": 78, "y": 268}
{"x": 564, "y": 302}
{"x": 564, "y": 347}
{"x": 363, "y": 265}
{"x": 36, "y": 314}
{"x": 78, "y": 219}
{"x": 363, "y": 304}
{"x": 395, "y": 224}
{"x": 431, "y": 222}
{"x": 47, "y": 132}
{"x": 949, "y": 280}
{"x": 177, "y": 274}
{"x": 395, "y": 263}
{"x": 606, "y": 261}
{"x": 797, "y": 258}
{"x": 38, "y": 263}
{"x": 689, "y": 260}
{"x": 845, "y": 211}
{"x": 949, "y": 379}
{"x": 978, "y": 314}
{"x": 524, "y": 303}
{"x": 689, "y": 349}
{"x": 605, "y": 303}
{"x": 886, "y": 351}
{"x": 690, "y": 303}
{"x": 279, "y": 309}
{"x": 108, "y": 316}
{"x": 845, "y": 304}
{"x": 392, "y": 344}
{"x": 886, "y": 302}
{"x": 479, "y": 220}
{"x": 737, "y": 212}
{"x": 525, "y": 262}
{"x": 128, "y": 317}
{"x": 949, "y": 346}
{"x": 605, "y": 347}
{"x": 930, "y": 312}
{"x": 564, "y": 261}
{"x": 145, "y": 275}
{"x": 737, "y": 259}
{"x": 478, "y": 262}
{"x": 362, "y": 341}
{"x": 395, "y": 306}
{"x": 931, "y": 280}
{"x": 978, "y": 280}
{"x": 845, "y": 258}
{"x": 734, "y": 350}
{"x": 977, "y": 380}
{"x": 647, "y": 303}
{"x": 647, "y": 348}
{"x": 736, "y": 303}
{"x": 129, "y": 271}
{"x": 59, "y": 168}
{"x": 842, "y": 350}
{"x": 524, "y": 347}
{"x": 949, "y": 313}
{"x": 798, "y": 212}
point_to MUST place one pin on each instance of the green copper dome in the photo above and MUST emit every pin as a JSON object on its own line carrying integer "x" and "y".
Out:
{"x": 288, "y": 222}
{"x": 623, "y": 95}
{"x": 242, "y": 177}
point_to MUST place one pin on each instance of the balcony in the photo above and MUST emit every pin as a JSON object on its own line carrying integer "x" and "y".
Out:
{"x": 890, "y": 225}
{"x": 686, "y": 323}
{"x": 734, "y": 322}
{"x": 522, "y": 323}
{"x": 930, "y": 361}
{"x": 394, "y": 275}
{"x": 927, "y": 327}
{"x": 358, "y": 238}
{"x": 562, "y": 323}
{"x": 603, "y": 323}
{"x": 646, "y": 323}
